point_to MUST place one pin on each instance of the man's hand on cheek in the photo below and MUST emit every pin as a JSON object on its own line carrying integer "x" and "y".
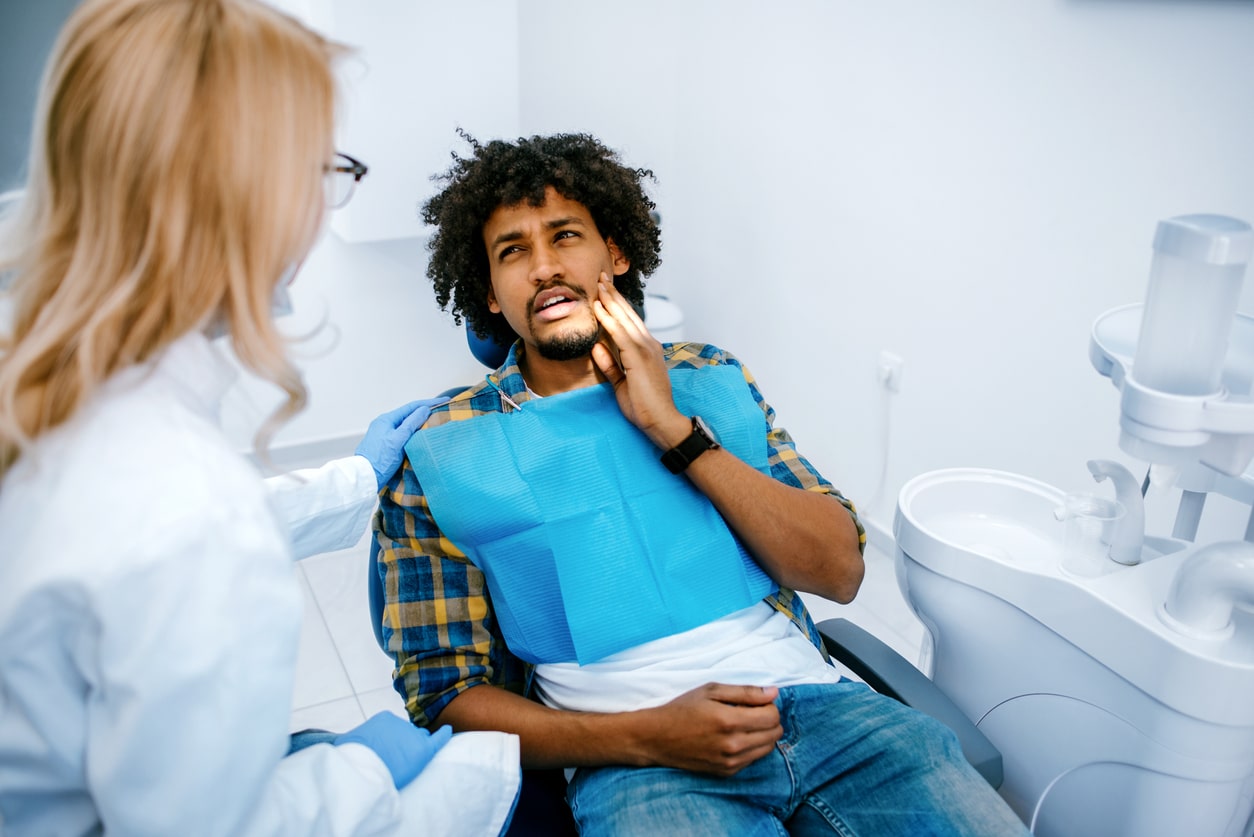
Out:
{"x": 638, "y": 371}
{"x": 605, "y": 342}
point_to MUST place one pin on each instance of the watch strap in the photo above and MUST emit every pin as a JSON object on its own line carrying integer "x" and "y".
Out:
{"x": 678, "y": 458}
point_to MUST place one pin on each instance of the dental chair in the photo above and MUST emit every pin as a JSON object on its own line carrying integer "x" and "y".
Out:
{"x": 542, "y": 808}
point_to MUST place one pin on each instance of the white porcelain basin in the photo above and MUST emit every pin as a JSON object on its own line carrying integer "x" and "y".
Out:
{"x": 996, "y": 532}
{"x": 1002, "y": 516}
{"x": 1091, "y": 697}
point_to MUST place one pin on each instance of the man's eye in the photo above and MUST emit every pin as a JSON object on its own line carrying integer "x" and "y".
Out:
{"x": 508, "y": 251}
{"x": 565, "y": 234}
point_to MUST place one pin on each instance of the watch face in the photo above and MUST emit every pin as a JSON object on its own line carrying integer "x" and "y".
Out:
{"x": 704, "y": 429}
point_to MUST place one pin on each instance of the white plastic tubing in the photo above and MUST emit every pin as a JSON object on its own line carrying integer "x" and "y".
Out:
{"x": 1210, "y": 583}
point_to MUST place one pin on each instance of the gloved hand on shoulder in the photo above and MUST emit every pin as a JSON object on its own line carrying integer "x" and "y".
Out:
{"x": 404, "y": 748}
{"x": 384, "y": 442}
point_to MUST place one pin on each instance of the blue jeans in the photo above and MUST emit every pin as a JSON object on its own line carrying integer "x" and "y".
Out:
{"x": 851, "y": 762}
{"x": 309, "y": 737}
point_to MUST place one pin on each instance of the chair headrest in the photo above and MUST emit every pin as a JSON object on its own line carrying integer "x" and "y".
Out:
{"x": 486, "y": 350}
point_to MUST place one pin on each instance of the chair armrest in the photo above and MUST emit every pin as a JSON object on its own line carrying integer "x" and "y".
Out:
{"x": 890, "y": 674}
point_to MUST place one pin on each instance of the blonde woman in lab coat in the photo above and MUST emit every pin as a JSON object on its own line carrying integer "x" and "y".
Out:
{"x": 149, "y": 612}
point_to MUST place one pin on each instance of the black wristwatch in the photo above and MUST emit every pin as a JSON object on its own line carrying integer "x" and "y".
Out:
{"x": 698, "y": 442}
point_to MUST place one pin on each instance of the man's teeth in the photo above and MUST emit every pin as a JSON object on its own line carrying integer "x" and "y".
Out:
{"x": 554, "y": 301}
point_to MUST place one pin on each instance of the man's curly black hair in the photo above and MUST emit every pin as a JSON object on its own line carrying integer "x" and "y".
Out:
{"x": 500, "y": 174}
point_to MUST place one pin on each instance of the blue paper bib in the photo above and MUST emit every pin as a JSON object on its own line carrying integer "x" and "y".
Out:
{"x": 589, "y": 545}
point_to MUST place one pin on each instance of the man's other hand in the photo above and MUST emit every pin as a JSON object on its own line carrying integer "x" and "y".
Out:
{"x": 715, "y": 728}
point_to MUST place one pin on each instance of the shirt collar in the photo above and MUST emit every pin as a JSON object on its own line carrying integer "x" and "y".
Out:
{"x": 508, "y": 379}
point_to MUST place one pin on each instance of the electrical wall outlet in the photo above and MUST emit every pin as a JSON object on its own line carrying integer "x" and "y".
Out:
{"x": 888, "y": 371}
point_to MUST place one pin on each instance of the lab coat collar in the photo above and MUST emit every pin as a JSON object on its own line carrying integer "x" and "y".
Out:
{"x": 196, "y": 370}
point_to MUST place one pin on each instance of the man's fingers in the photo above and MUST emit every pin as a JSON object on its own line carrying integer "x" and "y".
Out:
{"x": 718, "y": 728}
{"x": 756, "y": 720}
{"x": 620, "y": 310}
{"x": 605, "y": 361}
{"x": 606, "y": 318}
{"x": 753, "y": 707}
{"x": 753, "y": 748}
{"x": 742, "y": 749}
{"x": 741, "y": 695}
{"x": 614, "y": 329}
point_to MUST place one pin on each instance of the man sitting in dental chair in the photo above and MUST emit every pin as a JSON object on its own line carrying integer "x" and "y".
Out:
{"x": 597, "y": 547}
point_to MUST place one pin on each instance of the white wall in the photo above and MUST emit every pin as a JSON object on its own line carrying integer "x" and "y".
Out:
{"x": 377, "y": 341}
{"x": 610, "y": 70}
{"x": 967, "y": 184}
{"x": 416, "y": 72}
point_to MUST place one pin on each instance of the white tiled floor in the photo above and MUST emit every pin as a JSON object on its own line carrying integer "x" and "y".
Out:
{"x": 343, "y": 677}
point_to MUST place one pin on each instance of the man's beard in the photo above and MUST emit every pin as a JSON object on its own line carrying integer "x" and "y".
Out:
{"x": 569, "y": 346}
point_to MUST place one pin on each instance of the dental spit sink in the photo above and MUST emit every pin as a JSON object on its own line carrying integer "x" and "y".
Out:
{"x": 998, "y": 532}
{"x": 1005, "y": 517}
{"x": 1111, "y": 721}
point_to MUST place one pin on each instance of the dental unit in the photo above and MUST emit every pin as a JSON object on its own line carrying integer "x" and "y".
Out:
{"x": 1113, "y": 667}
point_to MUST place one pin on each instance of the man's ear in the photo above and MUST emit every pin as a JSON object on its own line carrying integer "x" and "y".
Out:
{"x": 621, "y": 263}
{"x": 493, "y": 305}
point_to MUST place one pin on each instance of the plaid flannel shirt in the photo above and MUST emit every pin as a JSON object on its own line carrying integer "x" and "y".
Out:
{"x": 438, "y": 622}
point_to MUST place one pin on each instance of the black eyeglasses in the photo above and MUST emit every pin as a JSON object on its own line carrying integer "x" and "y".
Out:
{"x": 342, "y": 179}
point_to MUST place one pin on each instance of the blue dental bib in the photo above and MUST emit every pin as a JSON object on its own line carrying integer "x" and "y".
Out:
{"x": 588, "y": 544}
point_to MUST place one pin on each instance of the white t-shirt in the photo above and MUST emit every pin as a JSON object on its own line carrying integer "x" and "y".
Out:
{"x": 757, "y": 646}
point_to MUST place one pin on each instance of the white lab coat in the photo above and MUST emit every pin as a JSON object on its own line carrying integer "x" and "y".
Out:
{"x": 325, "y": 508}
{"x": 149, "y": 620}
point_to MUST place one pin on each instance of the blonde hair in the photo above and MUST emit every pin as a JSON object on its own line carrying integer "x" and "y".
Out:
{"x": 175, "y": 171}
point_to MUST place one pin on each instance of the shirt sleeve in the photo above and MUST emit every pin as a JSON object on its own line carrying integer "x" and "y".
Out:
{"x": 437, "y": 620}
{"x": 325, "y": 508}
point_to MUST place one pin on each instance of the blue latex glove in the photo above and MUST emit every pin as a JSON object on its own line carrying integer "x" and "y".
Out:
{"x": 404, "y": 748}
{"x": 384, "y": 442}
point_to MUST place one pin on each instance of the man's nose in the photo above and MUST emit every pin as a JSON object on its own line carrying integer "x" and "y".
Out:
{"x": 545, "y": 264}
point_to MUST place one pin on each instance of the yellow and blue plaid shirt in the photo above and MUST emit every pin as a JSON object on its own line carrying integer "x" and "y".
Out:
{"x": 438, "y": 621}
